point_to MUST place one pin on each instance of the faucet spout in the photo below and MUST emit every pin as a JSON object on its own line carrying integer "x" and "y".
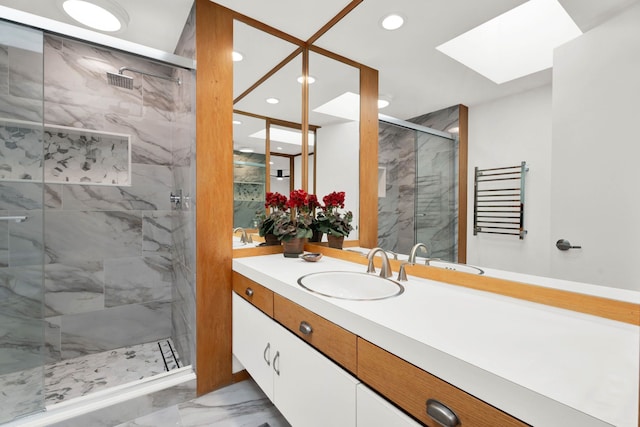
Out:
{"x": 385, "y": 271}
{"x": 414, "y": 252}
{"x": 244, "y": 238}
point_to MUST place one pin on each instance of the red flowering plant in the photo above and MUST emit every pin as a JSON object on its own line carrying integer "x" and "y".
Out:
{"x": 298, "y": 222}
{"x": 276, "y": 208}
{"x": 330, "y": 220}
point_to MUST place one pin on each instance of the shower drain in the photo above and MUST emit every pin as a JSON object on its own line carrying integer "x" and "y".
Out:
{"x": 169, "y": 356}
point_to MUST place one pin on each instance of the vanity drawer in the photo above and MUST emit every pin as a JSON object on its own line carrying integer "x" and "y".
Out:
{"x": 332, "y": 340}
{"x": 410, "y": 388}
{"x": 253, "y": 292}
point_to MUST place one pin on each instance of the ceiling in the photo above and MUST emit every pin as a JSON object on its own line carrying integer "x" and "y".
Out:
{"x": 414, "y": 76}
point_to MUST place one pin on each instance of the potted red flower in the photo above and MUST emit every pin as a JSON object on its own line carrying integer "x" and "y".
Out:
{"x": 336, "y": 224}
{"x": 293, "y": 228}
{"x": 276, "y": 208}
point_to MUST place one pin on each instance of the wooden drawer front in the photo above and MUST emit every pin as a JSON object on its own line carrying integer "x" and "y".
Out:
{"x": 253, "y": 292}
{"x": 410, "y": 387}
{"x": 332, "y": 340}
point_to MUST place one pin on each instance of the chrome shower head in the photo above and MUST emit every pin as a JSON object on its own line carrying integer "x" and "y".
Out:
{"x": 120, "y": 80}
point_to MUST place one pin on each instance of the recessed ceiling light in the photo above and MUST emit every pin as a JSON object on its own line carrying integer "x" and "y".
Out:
{"x": 279, "y": 148}
{"x": 310, "y": 79}
{"x": 529, "y": 32}
{"x": 392, "y": 21}
{"x": 237, "y": 56}
{"x": 280, "y": 178}
{"x": 454, "y": 129}
{"x": 102, "y": 15}
{"x": 272, "y": 100}
{"x": 382, "y": 103}
{"x": 270, "y": 163}
{"x": 237, "y": 122}
{"x": 246, "y": 150}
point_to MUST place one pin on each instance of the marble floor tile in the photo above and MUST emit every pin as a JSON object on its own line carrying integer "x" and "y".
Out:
{"x": 76, "y": 377}
{"x": 238, "y": 405}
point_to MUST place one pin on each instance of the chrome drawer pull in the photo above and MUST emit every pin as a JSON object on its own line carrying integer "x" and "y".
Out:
{"x": 441, "y": 414}
{"x": 305, "y": 328}
{"x": 248, "y": 292}
{"x": 267, "y": 358}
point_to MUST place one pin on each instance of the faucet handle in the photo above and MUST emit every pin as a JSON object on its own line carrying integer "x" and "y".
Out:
{"x": 402, "y": 274}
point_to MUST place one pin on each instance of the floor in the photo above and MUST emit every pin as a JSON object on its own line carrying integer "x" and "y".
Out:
{"x": 242, "y": 404}
{"x": 76, "y": 377}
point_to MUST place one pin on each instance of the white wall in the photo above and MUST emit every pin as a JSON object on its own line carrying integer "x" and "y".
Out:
{"x": 596, "y": 153}
{"x": 338, "y": 166}
{"x": 506, "y": 132}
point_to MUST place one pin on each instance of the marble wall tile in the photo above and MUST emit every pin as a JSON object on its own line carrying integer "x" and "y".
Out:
{"x": 74, "y": 235}
{"x": 26, "y": 246}
{"x": 4, "y": 70}
{"x": 183, "y": 312}
{"x": 25, "y": 73}
{"x": 74, "y": 288}
{"x": 21, "y": 291}
{"x": 76, "y": 75}
{"x": 158, "y": 95}
{"x": 21, "y": 341}
{"x": 183, "y": 238}
{"x": 150, "y": 142}
{"x": 14, "y": 107}
{"x": 157, "y": 230}
{"x": 186, "y": 45}
{"x": 20, "y": 196}
{"x": 52, "y": 338}
{"x": 21, "y": 152}
{"x": 137, "y": 280}
{"x": 22, "y": 393}
{"x": 114, "y": 328}
{"x": 4, "y": 240}
{"x": 149, "y": 190}
{"x": 183, "y": 137}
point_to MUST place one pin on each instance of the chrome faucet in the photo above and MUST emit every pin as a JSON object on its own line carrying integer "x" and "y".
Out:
{"x": 385, "y": 271}
{"x": 244, "y": 238}
{"x": 414, "y": 251}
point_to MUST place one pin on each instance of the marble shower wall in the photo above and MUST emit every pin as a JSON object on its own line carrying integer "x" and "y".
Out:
{"x": 109, "y": 255}
{"x": 183, "y": 238}
{"x": 420, "y": 200}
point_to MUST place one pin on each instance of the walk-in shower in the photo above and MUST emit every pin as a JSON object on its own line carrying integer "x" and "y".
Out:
{"x": 418, "y": 197}
{"x": 97, "y": 268}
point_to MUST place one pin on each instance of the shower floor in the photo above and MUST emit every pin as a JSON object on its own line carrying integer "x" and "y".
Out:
{"x": 77, "y": 377}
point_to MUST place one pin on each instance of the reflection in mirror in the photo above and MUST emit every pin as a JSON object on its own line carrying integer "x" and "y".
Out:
{"x": 249, "y": 170}
{"x": 253, "y": 111}
{"x": 334, "y": 106}
{"x": 281, "y": 170}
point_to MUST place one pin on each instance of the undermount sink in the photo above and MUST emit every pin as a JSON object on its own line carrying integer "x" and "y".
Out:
{"x": 350, "y": 285}
{"x": 455, "y": 266}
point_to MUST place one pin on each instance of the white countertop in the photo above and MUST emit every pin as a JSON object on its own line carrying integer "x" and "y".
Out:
{"x": 543, "y": 365}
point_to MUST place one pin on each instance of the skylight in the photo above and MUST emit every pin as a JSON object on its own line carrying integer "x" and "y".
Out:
{"x": 283, "y": 135}
{"x": 515, "y": 44}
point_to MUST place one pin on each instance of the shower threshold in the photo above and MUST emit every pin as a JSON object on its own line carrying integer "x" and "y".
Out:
{"x": 72, "y": 378}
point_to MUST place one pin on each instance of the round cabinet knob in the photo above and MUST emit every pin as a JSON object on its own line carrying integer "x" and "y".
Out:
{"x": 441, "y": 414}
{"x": 248, "y": 292}
{"x": 305, "y": 328}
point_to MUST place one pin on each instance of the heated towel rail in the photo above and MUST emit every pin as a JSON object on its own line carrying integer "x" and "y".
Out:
{"x": 498, "y": 202}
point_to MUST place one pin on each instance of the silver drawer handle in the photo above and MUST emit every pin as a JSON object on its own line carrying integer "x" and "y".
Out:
{"x": 305, "y": 328}
{"x": 276, "y": 363}
{"x": 248, "y": 292}
{"x": 267, "y": 357}
{"x": 441, "y": 414}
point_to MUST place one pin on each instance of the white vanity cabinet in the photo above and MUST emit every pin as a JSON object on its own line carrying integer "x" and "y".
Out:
{"x": 373, "y": 410}
{"x": 306, "y": 387}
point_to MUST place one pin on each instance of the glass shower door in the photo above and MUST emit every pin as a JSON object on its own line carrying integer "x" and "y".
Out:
{"x": 22, "y": 347}
{"x": 436, "y": 195}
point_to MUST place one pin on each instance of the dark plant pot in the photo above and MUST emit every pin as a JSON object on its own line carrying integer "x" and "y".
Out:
{"x": 293, "y": 247}
{"x": 271, "y": 240}
{"x": 335, "y": 242}
{"x": 316, "y": 237}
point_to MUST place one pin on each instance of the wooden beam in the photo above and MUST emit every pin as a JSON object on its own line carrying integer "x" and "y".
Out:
{"x": 214, "y": 209}
{"x": 368, "y": 220}
{"x": 304, "y": 160}
{"x": 463, "y": 167}
{"x": 344, "y": 12}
